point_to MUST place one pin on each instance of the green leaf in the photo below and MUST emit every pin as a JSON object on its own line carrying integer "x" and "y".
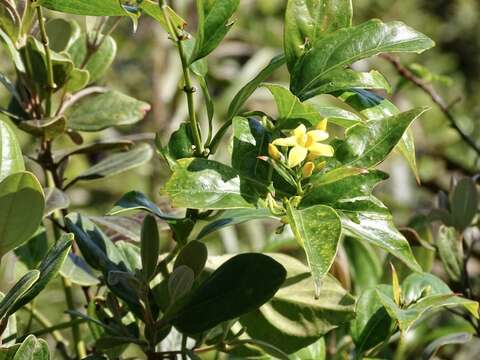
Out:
{"x": 434, "y": 346}
{"x": 11, "y": 158}
{"x": 234, "y": 217}
{"x": 180, "y": 282}
{"x": 240, "y": 285}
{"x": 366, "y": 218}
{"x": 194, "y": 255}
{"x": 207, "y": 184}
{"x": 464, "y": 203}
{"x": 245, "y": 92}
{"x": 13, "y": 52}
{"x": 181, "y": 143}
{"x": 450, "y": 250}
{"x": 213, "y": 24}
{"x": 334, "y": 51}
{"x": 85, "y": 7}
{"x": 48, "y": 128}
{"x": 100, "y": 111}
{"x": 372, "y": 324}
{"x": 93, "y": 149}
{"x": 342, "y": 183}
{"x": 364, "y": 264}
{"x": 137, "y": 201}
{"x": 32, "y": 349}
{"x": 118, "y": 163}
{"x": 62, "y": 33}
{"x": 278, "y": 321}
{"x": 367, "y": 145}
{"x": 8, "y": 22}
{"x": 152, "y": 9}
{"x": 150, "y": 247}
{"x": 307, "y": 20}
{"x": 48, "y": 268}
{"x": 78, "y": 79}
{"x": 317, "y": 350}
{"x": 338, "y": 116}
{"x": 55, "y": 199}
{"x": 21, "y": 205}
{"x": 77, "y": 271}
{"x": 34, "y": 250}
{"x": 318, "y": 230}
{"x": 20, "y": 287}
{"x": 97, "y": 63}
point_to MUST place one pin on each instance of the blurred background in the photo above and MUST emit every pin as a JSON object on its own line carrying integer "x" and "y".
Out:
{"x": 147, "y": 69}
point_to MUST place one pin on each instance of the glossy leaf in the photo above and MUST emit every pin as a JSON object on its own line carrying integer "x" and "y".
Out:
{"x": 137, "y": 201}
{"x": 11, "y": 158}
{"x": 240, "y": 285}
{"x": 366, "y": 218}
{"x": 277, "y": 322}
{"x": 318, "y": 230}
{"x": 97, "y": 63}
{"x": 85, "y": 7}
{"x": 150, "y": 247}
{"x": 207, "y": 184}
{"x": 14, "y": 294}
{"x": 214, "y": 21}
{"x": 307, "y": 20}
{"x": 21, "y": 205}
{"x": 366, "y": 145}
{"x": 181, "y": 143}
{"x": 234, "y": 217}
{"x": 48, "y": 268}
{"x": 334, "y": 51}
{"x": 118, "y": 163}
{"x": 34, "y": 250}
{"x": 100, "y": 111}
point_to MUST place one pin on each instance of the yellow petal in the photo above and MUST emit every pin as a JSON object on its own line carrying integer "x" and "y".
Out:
{"x": 296, "y": 156}
{"x": 317, "y": 135}
{"x": 300, "y": 130}
{"x": 289, "y": 141}
{"x": 322, "y": 125}
{"x": 274, "y": 153}
{"x": 307, "y": 169}
{"x": 321, "y": 149}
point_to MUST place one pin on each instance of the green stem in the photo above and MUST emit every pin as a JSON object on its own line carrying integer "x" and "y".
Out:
{"x": 51, "y": 82}
{"x": 79, "y": 344}
{"x": 189, "y": 89}
{"x": 46, "y": 324}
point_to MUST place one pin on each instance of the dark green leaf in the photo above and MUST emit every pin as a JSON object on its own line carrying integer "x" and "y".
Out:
{"x": 15, "y": 293}
{"x": 318, "y": 230}
{"x": 100, "y": 111}
{"x": 47, "y": 128}
{"x": 34, "y": 250}
{"x": 48, "y": 268}
{"x": 450, "y": 251}
{"x": 240, "y": 285}
{"x": 307, "y": 20}
{"x": 150, "y": 246}
{"x": 21, "y": 205}
{"x": 11, "y": 159}
{"x": 213, "y": 24}
{"x": 194, "y": 255}
{"x": 95, "y": 148}
{"x": 180, "y": 282}
{"x": 118, "y": 163}
{"x": 464, "y": 203}
{"x": 334, "y": 51}
{"x": 207, "y": 184}
{"x": 181, "y": 144}
{"x": 278, "y": 321}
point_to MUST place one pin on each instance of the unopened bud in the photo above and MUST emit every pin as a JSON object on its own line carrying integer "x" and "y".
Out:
{"x": 274, "y": 152}
{"x": 307, "y": 169}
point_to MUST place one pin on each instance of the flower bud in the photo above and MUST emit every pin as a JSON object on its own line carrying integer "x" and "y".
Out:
{"x": 307, "y": 169}
{"x": 274, "y": 152}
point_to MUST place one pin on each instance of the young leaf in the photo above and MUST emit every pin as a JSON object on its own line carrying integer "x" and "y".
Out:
{"x": 317, "y": 229}
{"x": 194, "y": 255}
{"x": 21, "y": 205}
{"x": 48, "y": 268}
{"x": 213, "y": 24}
{"x": 276, "y": 322}
{"x": 240, "y": 285}
{"x": 207, "y": 184}
{"x": 150, "y": 247}
{"x": 334, "y": 51}
{"x": 307, "y": 20}
{"x": 100, "y": 111}
{"x": 11, "y": 159}
{"x": 20, "y": 287}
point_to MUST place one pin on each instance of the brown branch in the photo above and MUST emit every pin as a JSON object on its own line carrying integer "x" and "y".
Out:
{"x": 436, "y": 98}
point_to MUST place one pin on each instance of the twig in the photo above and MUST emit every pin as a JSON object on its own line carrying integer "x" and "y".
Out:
{"x": 436, "y": 98}
{"x": 79, "y": 95}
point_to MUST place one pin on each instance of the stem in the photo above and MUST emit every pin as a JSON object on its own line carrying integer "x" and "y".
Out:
{"x": 79, "y": 344}
{"x": 51, "y": 82}
{"x": 46, "y": 324}
{"x": 188, "y": 88}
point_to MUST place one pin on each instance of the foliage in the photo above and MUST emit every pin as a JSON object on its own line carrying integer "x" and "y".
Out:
{"x": 162, "y": 300}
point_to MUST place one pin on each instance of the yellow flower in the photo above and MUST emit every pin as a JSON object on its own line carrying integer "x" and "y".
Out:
{"x": 306, "y": 143}
{"x": 307, "y": 169}
{"x": 274, "y": 153}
